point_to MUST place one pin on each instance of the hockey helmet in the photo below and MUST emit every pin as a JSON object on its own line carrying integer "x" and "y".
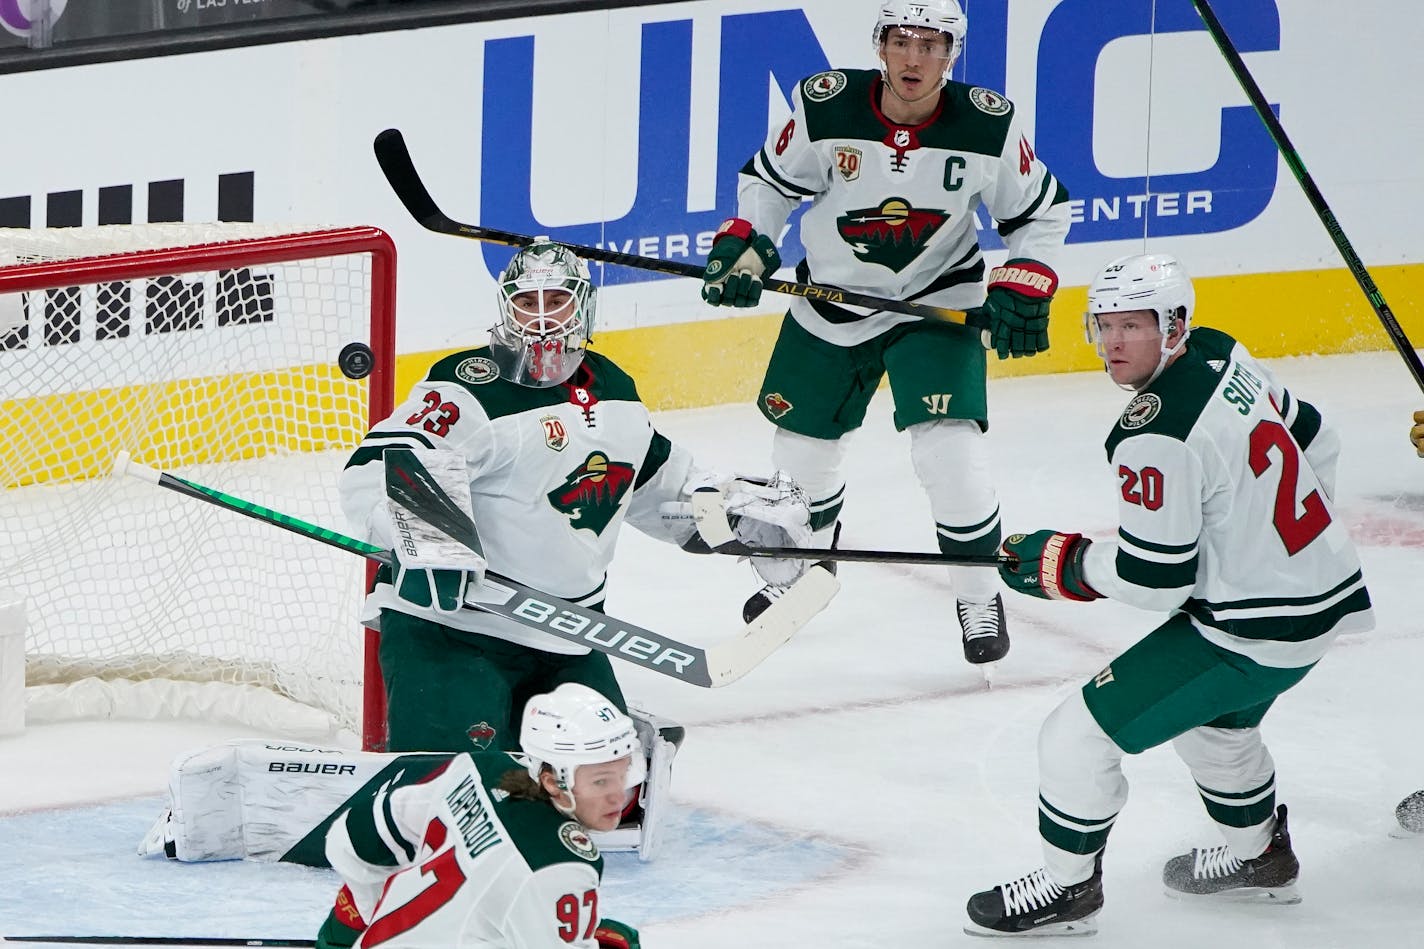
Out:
{"x": 546, "y": 303}
{"x": 574, "y": 725}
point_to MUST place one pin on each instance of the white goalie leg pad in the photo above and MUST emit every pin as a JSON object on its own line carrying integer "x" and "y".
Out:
{"x": 254, "y": 799}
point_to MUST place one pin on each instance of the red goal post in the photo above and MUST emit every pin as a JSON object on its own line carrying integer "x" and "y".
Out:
{"x": 211, "y": 351}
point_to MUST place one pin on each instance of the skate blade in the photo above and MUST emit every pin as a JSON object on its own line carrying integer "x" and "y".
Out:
{"x": 1279, "y": 895}
{"x": 988, "y": 670}
{"x": 1087, "y": 926}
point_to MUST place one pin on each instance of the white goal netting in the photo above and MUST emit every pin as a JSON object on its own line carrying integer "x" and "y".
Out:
{"x": 210, "y": 352}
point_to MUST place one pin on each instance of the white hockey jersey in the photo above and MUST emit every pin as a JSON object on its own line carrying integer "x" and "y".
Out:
{"x": 453, "y": 861}
{"x": 1225, "y": 484}
{"x": 554, "y": 473}
{"x": 893, "y": 207}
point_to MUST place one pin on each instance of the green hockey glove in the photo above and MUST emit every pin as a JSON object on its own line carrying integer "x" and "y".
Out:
{"x": 1047, "y": 564}
{"x": 1017, "y": 307}
{"x": 740, "y": 260}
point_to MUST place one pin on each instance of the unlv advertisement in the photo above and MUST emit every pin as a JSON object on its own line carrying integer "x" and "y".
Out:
{"x": 626, "y": 128}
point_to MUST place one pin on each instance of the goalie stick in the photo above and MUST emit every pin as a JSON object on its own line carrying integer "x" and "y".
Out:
{"x": 1312, "y": 193}
{"x": 710, "y": 667}
{"x": 395, "y": 161}
{"x": 709, "y": 512}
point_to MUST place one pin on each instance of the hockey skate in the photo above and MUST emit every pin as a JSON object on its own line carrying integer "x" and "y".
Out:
{"x": 1214, "y": 872}
{"x": 760, "y": 601}
{"x": 986, "y": 636}
{"x": 1034, "y": 905}
{"x": 1410, "y": 814}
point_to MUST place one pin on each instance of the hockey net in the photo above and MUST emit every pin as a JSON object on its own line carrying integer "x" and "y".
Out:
{"x": 211, "y": 352}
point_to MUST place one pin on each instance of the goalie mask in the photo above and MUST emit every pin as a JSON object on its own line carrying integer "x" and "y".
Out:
{"x": 1155, "y": 282}
{"x": 943, "y": 16}
{"x": 574, "y": 725}
{"x": 546, "y": 304}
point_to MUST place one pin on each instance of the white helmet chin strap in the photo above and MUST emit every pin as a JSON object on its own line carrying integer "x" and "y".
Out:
{"x": 1161, "y": 361}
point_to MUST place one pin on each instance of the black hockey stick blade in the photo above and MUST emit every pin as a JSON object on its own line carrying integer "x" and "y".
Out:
{"x": 164, "y": 941}
{"x": 394, "y": 158}
{"x": 737, "y": 548}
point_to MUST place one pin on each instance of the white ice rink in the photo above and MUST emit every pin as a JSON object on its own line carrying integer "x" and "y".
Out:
{"x": 860, "y": 785}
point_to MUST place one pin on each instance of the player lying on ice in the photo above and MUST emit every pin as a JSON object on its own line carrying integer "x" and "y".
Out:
{"x": 491, "y": 849}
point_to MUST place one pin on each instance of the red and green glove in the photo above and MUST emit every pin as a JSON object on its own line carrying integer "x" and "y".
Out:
{"x": 1017, "y": 307}
{"x": 1047, "y": 564}
{"x": 611, "y": 934}
{"x": 740, "y": 260}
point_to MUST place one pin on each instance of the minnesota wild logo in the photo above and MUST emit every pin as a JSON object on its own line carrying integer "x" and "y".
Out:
{"x": 480, "y": 735}
{"x": 891, "y": 235}
{"x": 592, "y": 492}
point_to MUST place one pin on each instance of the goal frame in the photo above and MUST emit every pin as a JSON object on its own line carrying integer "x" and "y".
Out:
{"x": 235, "y": 253}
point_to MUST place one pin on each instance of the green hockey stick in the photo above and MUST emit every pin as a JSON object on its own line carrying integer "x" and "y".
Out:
{"x": 711, "y": 667}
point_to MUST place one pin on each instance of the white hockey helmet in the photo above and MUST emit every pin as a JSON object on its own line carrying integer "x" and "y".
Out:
{"x": 546, "y": 303}
{"x": 1155, "y": 282}
{"x": 942, "y": 15}
{"x": 575, "y": 725}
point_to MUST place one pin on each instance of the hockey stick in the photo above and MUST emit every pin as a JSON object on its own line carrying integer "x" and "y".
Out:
{"x": 1312, "y": 193}
{"x": 711, "y": 516}
{"x": 395, "y": 161}
{"x": 712, "y": 667}
{"x": 164, "y": 941}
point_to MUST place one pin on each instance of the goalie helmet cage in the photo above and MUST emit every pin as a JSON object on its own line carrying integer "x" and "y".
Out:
{"x": 210, "y": 350}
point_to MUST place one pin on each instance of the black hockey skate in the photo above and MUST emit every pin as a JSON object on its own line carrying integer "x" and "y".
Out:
{"x": 986, "y": 636}
{"x": 1034, "y": 905}
{"x": 1410, "y": 814}
{"x": 760, "y": 601}
{"x": 1214, "y": 872}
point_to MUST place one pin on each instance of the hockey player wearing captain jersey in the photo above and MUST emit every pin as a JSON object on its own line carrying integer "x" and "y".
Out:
{"x": 1225, "y": 483}
{"x": 896, "y": 163}
{"x": 491, "y": 849}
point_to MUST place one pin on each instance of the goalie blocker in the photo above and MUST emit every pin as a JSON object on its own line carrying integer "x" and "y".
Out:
{"x": 274, "y": 801}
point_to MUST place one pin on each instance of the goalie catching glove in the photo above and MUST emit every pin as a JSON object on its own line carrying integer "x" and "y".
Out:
{"x": 1047, "y": 564}
{"x": 740, "y": 260}
{"x": 771, "y": 514}
{"x": 1017, "y": 307}
{"x": 762, "y": 512}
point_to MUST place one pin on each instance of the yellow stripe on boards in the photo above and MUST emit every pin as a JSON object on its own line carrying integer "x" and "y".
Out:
{"x": 74, "y": 436}
{"x": 720, "y": 361}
